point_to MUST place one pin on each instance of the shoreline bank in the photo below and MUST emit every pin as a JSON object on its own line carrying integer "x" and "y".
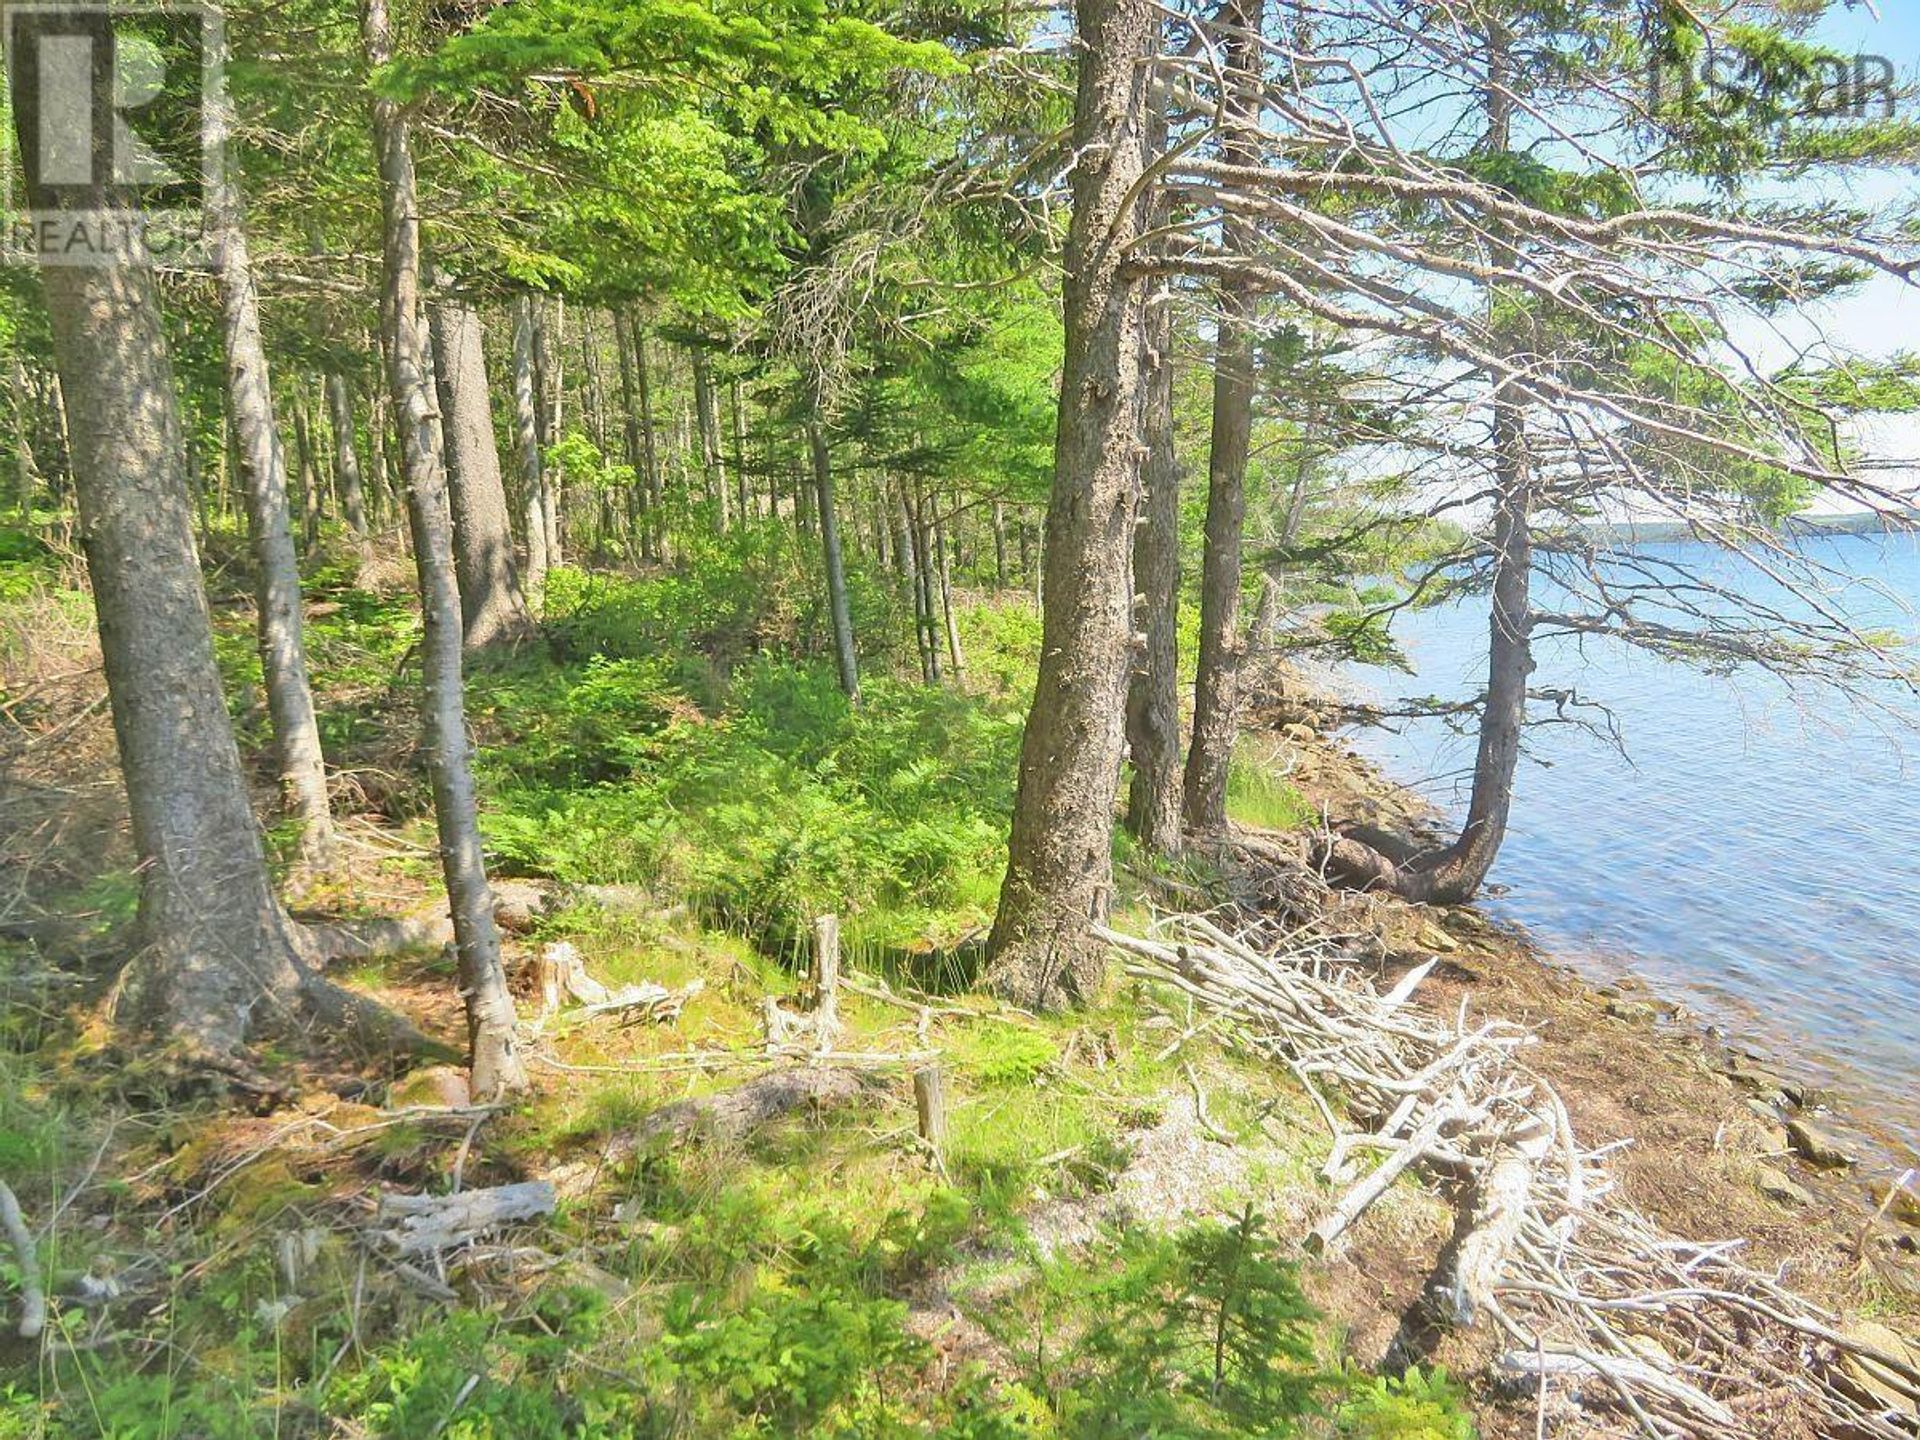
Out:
{"x": 1720, "y": 1137}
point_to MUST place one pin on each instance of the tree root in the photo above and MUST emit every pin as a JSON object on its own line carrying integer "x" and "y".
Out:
{"x": 372, "y": 1028}
{"x": 328, "y": 942}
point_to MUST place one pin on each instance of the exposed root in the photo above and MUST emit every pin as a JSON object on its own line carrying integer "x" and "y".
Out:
{"x": 328, "y": 942}
{"x": 369, "y": 1026}
{"x": 1585, "y": 1293}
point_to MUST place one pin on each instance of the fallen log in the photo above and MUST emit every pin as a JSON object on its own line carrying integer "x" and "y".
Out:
{"x": 1499, "y": 1210}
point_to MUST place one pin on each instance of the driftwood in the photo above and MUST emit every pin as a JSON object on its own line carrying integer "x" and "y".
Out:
{"x": 430, "y": 1224}
{"x": 729, "y": 1115}
{"x": 1586, "y": 1294}
{"x": 33, "y": 1299}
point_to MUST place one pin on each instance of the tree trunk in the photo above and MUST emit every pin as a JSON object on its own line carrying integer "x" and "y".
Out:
{"x": 926, "y": 582}
{"x": 1153, "y": 694}
{"x": 279, "y": 622}
{"x": 1453, "y": 875}
{"x": 743, "y": 491}
{"x": 496, "y": 1063}
{"x": 26, "y": 473}
{"x": 346, "y": 459}
{"x": 1216, "y": 716}
{"x": 215, "y": 947}
{"x": 309, "y": 471}
{"x": 526, "y": 430}
{"x": 383, "y": 486}
{"x": 1060, "y": 854}
{"x": 706, "y": 413}
{"x": 839, "y": 610}
{"x": 550, "y": 400}
{"x": 215, "y": 952}
{"x": 999, "y": 546}
{"x": 492, "y": 607}
{"x": 946, "y": 597}
{"x": 639, "y": 448}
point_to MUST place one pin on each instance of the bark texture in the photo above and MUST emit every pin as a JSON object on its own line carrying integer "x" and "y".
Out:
{"x": 496, "y": 1063}
{"x": 1060, "y": 852}
{"x": 493, "y": 608}
{"x": 263, "y": 466}
{"x": 1216, "y": 676}
{"x": 216, "y": 951}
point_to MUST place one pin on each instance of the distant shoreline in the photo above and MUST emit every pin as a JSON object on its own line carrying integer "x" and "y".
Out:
{"x": 1655, "y": 532}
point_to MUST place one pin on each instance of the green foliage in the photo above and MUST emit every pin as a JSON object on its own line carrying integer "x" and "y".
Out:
{"x": 1201, "y": 1335}
{"x": 1419, "y": 1405}
{"x": 1257, "y": 795}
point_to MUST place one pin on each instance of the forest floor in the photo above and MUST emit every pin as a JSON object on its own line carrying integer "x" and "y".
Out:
{"x": 221, "y": 1269}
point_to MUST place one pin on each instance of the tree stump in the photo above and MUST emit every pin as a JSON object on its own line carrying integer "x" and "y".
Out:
{"x": 930, "y": 1100}
{"x": 826, "y": 980}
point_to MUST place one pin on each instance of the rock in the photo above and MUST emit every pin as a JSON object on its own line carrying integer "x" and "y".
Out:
{"x": 1777, "y": 1187}
{"x": 1808, "y": 1097}
{"x": 517, "y": 904}
{"x": 1434, "y": 938}
{"x": 1876, "y": 1379}
{"x": 1762, "y": 1110}
{"x": 1903, "y": 1205}
{"x": 1815, "y": 1146}
{"x": 437, "y": 1085}
{"x": 1638, "y": 1012}
{"x": 1760, "y": 1082}
{"x": 1300, "y": 732}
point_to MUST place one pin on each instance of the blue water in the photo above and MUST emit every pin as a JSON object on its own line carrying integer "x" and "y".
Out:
{"x": 1754, "y": 851}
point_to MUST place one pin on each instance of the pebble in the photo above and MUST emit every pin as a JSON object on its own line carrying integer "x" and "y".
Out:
{"x": 1636, "y": 1011}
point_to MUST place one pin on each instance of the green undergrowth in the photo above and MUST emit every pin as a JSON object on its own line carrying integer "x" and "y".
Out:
{"x": 825, "y": 1276}
{"x": 681, "y": 735}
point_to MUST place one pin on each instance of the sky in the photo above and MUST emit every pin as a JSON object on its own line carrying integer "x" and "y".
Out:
{"x": 1884, "y": 315}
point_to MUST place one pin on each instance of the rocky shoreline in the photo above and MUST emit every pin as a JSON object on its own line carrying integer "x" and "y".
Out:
{"x": 1723, "y": 1137}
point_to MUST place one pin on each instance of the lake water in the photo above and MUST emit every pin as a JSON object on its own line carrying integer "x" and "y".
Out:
{"x": 1754, "y": 853}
